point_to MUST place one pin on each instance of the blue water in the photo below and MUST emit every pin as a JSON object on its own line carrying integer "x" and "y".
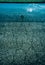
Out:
{"x": 30, "y": 12}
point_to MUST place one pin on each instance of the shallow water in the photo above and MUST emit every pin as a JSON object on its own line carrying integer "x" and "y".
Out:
{"x": 22, "y": 36}
{"x": 22, "y": 12}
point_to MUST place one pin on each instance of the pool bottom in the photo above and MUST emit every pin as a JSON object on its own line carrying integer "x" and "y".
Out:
{"x": 22, "y": 43}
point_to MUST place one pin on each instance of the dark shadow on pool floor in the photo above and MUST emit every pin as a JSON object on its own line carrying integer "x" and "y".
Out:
{"x": 40, "y": 61}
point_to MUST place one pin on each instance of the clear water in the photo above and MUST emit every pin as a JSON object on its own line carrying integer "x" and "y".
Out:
{"x": 30, "y": 12}
{"x": 22, "y": 36}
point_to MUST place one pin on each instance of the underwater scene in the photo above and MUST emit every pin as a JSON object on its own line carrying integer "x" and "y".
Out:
{"x": 22, "y": 34}
{"x": 22, "y": 12}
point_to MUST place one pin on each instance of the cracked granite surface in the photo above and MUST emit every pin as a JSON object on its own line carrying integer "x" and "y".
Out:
{"x": 22, "y": 43}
